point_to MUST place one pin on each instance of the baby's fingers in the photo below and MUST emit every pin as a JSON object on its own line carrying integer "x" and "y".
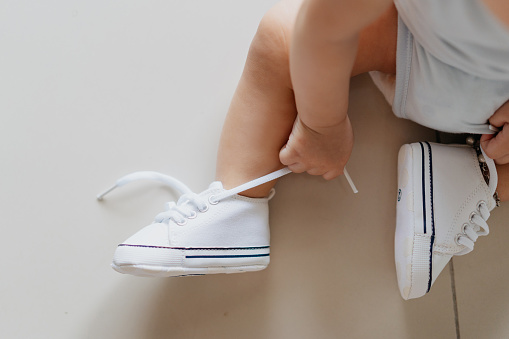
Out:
{"x": 290, "y": 158}
{"x": 503, "y": 160}
{"x": 287, "y": 156}
{"x": 497, "y": 147}
{"x": 332, "y": 174}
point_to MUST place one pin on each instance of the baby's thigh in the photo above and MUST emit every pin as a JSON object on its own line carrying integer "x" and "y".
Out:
{"x": 376, "y": 48}
{"x": 276, "y": 26}
{"x": 270, "y": 47}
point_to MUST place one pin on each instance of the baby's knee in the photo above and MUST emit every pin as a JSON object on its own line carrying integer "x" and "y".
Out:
{"x": 272, "y": 40}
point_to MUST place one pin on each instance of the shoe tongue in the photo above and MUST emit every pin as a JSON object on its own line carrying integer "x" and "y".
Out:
{"x": 216, "y": 185}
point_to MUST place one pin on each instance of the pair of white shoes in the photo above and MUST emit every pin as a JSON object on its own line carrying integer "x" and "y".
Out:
{"x": 443, "y": 204}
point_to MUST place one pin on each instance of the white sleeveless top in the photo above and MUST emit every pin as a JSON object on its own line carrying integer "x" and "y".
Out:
{"x": 461, "y": 33}
{"x": 452, "y": 64}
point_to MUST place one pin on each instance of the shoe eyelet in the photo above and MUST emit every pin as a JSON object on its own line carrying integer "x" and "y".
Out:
{"x": 457, "y": 238}
{"x": 212, "y": 201}
{"x": 482, "y": 202}
{"x": 471, "y": 217}
{"x": 193, "y": 215}
{"x": 181, "y": 223}
{"x": 464, "y": 228}
{"x": 204, "y": 210}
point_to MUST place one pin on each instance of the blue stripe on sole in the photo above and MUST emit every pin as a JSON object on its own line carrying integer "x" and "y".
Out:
{"x": 423, "y": 187}
{"x": 200, "y": 248}
{"x": 227, "y": 256}
{"x": 432, "y": 217}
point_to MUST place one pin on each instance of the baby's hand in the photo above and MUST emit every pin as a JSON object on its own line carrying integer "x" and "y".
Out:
{"x": 324, "y": 151}
{"x": 496, "y": 146}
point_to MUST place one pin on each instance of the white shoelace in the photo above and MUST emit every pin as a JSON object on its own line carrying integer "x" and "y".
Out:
{"x": 182, "y": 188}
{"x": 190, "y": 203}
{"x": 478, "y": 226}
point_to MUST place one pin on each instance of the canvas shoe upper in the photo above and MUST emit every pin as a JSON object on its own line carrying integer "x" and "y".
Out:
{"x": 443, "y": 204}
{"x": 216, "y": 231}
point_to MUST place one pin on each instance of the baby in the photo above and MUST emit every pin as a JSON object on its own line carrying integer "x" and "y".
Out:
{"x": 445, "y": 67}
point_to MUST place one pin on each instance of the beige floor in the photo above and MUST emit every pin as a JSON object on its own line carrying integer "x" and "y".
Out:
{"x": 92, "y": 90}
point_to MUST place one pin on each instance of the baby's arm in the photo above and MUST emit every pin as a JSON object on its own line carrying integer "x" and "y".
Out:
{"x": 322, "y": 56}
{"x": 323, "y": 53}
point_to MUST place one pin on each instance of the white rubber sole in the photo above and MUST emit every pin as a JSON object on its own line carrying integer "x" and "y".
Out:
{"x": 154, "y": 261}
{"x": 414, "y": 236}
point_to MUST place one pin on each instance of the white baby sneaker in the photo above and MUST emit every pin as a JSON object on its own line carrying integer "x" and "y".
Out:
{"x": 443, "y": 204}
{"x": 216, "y": 231}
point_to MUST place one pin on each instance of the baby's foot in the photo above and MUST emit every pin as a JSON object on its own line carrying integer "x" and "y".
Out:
{"x": 443, "y": 204}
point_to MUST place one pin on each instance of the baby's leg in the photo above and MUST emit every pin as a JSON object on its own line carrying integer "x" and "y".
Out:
{"x": 263, "y": 109}
{"x": 258, "y": 124}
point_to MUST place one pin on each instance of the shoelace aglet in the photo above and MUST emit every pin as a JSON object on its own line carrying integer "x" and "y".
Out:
{"x": 350, "y": 181}
{"x": 101, "y": 195}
